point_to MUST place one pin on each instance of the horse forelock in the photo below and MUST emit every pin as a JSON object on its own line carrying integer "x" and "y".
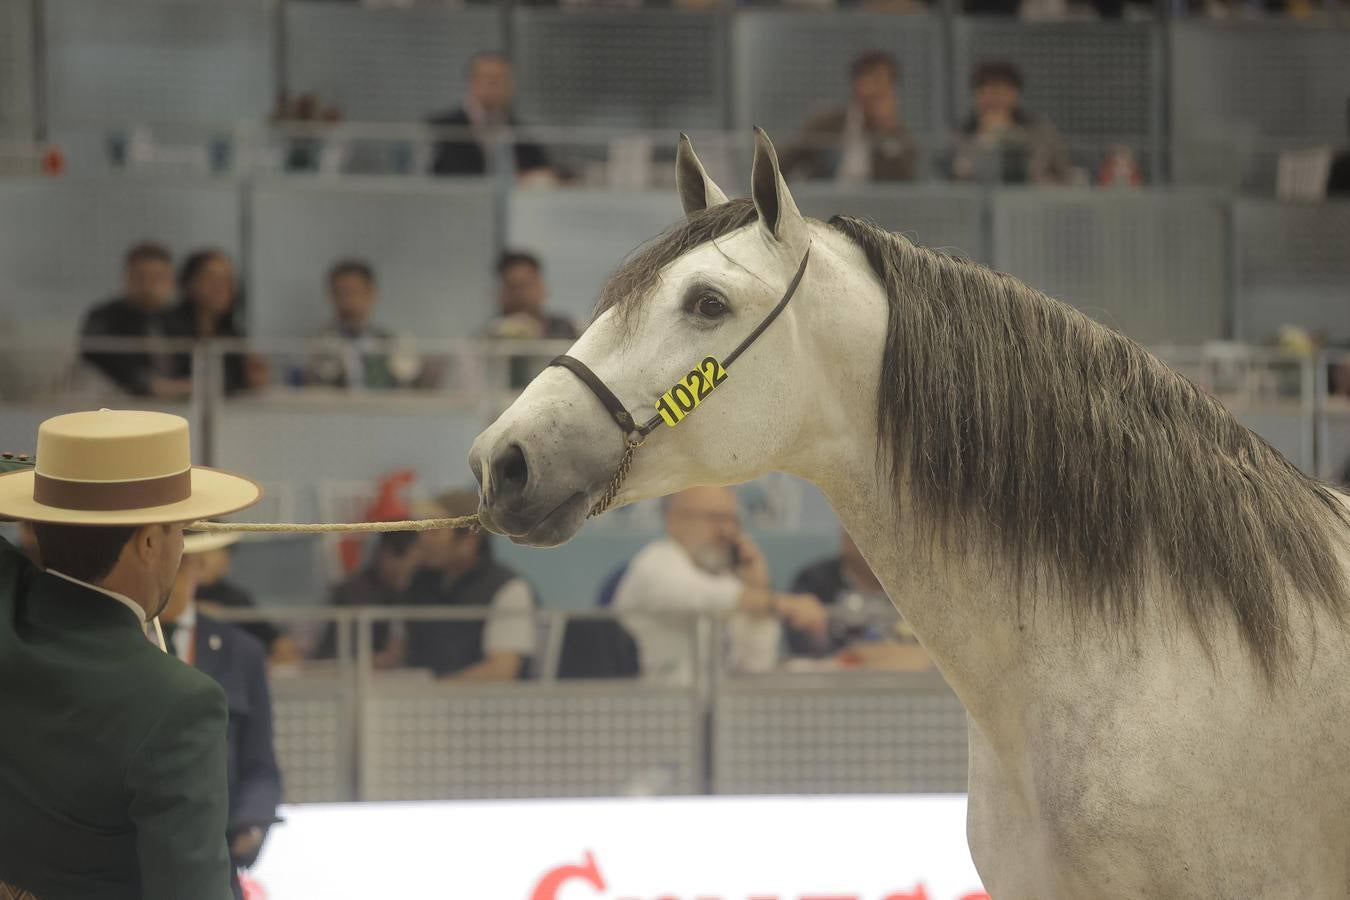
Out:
{"x": 637, "y": 276}
{"x": 1019, "y": 422}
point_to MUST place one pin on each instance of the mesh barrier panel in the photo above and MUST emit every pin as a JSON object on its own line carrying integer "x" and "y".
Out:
{"x": 788, "y": 65}
{"x": 783, "y": 738}
{"x": 1293, "y": 267}
{"x": 385, "y": 64}
{"x": 312, "y": 731}
{"x": 429, "y": 743}
{"x": 1097, "y": 82}
{"x": 641, "y": 69}
{"x": 1154, "y": 266}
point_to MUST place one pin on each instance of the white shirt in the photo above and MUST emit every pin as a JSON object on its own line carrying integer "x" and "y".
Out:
{"x": 663, "y": 577}
{"x": 510, "y": 627}
{"x": 185, "y": 628}
{"x": 855, "y": 162}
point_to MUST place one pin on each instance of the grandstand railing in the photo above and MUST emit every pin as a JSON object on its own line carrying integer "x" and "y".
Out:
{"x": 347, "y": 731}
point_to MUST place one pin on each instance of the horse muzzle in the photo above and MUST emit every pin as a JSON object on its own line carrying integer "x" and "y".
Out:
{"x": 537, "y": 488}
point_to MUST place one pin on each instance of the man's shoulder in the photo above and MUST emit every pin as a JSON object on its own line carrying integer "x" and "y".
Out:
{"x": 827, "y": 120}
{"x": 456, "y": 116}
{"x": 244, "y": 647}
{"x": 113, "y": 309}
{"x": 659, "y": 555}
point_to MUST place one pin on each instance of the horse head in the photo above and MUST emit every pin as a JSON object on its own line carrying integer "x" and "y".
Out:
{"x": 701, "y": 352}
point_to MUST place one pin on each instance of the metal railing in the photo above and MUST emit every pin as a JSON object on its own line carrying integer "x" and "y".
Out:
{"x": 347, "y": 731}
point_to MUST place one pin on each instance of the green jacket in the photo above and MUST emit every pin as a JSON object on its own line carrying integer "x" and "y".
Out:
{"x": 112, "y": 753}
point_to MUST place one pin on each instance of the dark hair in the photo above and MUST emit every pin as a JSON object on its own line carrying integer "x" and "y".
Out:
{"x": 147, "y": 251}
{"x": 395, "y": 543}
{"x": 351, "y": 266}
{"x": 996, "y": 71}
{"x": 873, "y": 59}
{"x": 485, "y": 54}
{"x": 195, "y": 262}
{"x": 511, "y": 258}
{"x": 86, "y": 552}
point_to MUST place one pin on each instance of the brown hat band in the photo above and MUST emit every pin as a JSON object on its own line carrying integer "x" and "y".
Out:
{"x": 114, "y": 495}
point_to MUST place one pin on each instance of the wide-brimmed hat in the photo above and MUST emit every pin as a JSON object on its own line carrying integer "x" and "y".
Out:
{"x": 120, "y": 467}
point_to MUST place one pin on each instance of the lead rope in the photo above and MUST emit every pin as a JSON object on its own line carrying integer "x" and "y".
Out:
{"x": 329, "y": 527}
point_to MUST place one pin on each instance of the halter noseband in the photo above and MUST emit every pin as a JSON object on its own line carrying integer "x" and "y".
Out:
{"x": 635, "y": 434}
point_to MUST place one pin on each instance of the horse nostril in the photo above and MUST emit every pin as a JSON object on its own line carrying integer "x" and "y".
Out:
{"x": 510, "y": 471}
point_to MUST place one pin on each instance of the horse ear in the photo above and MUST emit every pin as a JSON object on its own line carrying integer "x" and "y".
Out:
{"x": 778, "y": 212}
{"x": 697, "y": 190}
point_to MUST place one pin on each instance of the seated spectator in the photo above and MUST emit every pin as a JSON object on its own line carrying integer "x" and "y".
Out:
{"x": 1001, "y": 141}
{"x": 706, "y": 564}
{"x": 214, "y": 588}
{"x": 1338, "y": 179}
{"x": 863, "y": 141}
{"x": 235, "y": 659}
{"x": 139, "y": 312}
{"x": 487, "y": 114}
{"x": 859, "y": 610}
{"x": 459, "y": 571}
{"x": 208, "y": 309}
{"x": 366, "y": 360}
{"x": 520, "y": 299}
{"x": 383, "y": 582}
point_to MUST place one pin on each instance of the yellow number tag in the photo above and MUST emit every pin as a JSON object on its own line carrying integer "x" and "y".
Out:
{"x": 689, "y": 392}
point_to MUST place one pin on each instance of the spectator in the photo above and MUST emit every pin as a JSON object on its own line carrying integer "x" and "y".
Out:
{"x": 520, "y": 298}
{"x": 859, "y": 610}
{"x": 863, "y": 141}
{"x": 1001, "y": 141}
{"x": 207, "y": 309}
{"x": 384, "y": 582}
{"x": 706, "y": 564}
{"x": 139, "y": 312}
{"x": 214, "y": 588}
{"x": 486, "y": 116}
{"x": 366, "y": 359}
{"x": 460, "y": 572}
{"x": 1338, "y": 179}
{"x": 235, "y": 659}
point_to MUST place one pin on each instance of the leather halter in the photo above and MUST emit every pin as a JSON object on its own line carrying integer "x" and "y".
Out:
{"x": 634, "y": 433}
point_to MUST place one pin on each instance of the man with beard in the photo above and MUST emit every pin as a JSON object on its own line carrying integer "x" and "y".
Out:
{"x": 112, "y": 766}
{"x": 706, "y": 564}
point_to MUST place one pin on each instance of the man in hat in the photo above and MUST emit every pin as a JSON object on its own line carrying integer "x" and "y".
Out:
{"x": 238, "y": 662}
{"x": 113, "y": 764}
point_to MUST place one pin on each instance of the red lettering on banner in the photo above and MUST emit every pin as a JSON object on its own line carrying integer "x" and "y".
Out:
{"x": 975, "y": 895}
{"x": 919, "y": 893}
{"x": 552, "y": 882}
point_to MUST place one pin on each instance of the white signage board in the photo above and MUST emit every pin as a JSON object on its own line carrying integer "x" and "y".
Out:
{"x": 903, "y": 847}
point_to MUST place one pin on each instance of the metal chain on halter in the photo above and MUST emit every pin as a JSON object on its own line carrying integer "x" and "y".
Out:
{"x": 620, "y": 474}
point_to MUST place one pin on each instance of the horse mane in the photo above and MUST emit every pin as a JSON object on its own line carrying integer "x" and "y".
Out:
{"x": 1017, "y": 419}
{"x": 1021, "y": 423}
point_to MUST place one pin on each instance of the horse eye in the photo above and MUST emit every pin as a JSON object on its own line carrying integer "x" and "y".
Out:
{"x": 711, "y": 306}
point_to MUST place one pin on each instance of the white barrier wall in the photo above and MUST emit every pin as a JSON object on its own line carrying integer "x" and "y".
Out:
{"x": 775, "y": 848}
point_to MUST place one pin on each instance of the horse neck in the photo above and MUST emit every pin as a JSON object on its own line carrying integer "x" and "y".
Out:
{"x": 954, "y": 602}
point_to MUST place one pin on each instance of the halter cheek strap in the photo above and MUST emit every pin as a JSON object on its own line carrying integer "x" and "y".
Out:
{"x": 634, "y": 433}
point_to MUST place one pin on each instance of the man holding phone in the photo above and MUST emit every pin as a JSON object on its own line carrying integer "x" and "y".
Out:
{"x": 706, "y": 564}
{"x": 112, "y": 769}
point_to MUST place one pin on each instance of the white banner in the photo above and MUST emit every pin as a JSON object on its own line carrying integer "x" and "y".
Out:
{"x": 686, "y": 848}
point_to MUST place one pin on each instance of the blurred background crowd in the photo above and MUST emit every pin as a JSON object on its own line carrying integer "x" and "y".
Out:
{"x": 340, "y": 237}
